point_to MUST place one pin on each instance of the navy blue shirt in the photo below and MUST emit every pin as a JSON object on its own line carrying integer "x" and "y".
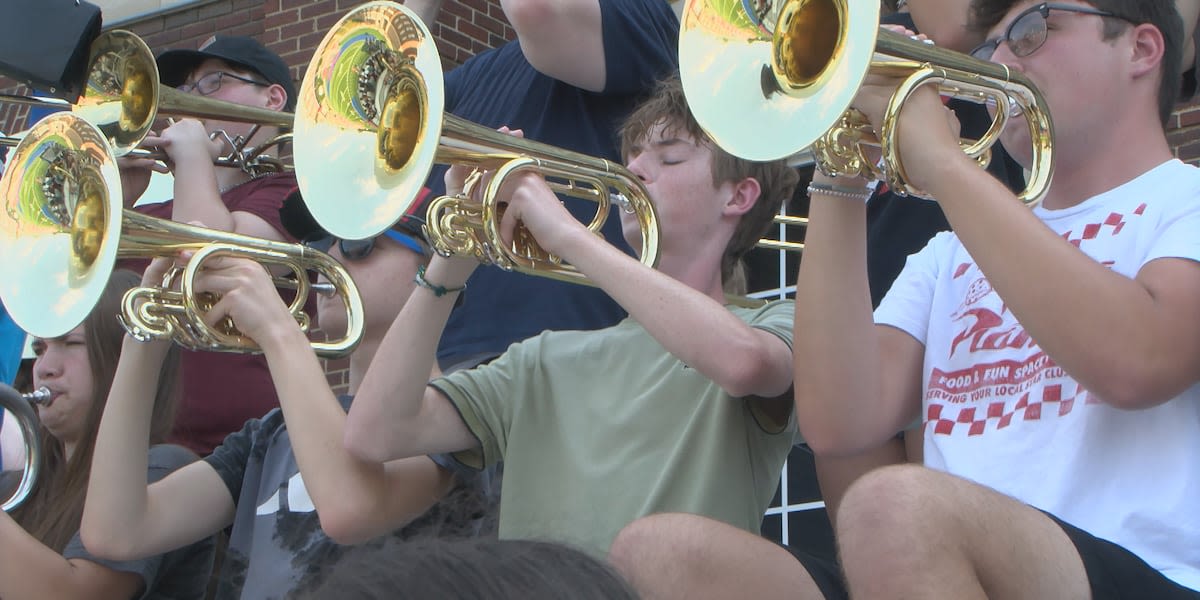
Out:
{"x": 499, "y": 87}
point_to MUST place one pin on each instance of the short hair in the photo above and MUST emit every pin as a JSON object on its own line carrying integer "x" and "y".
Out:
{"x": 986, "y": 14}
{"x": 469, "y": 568}
{"x": 667, "y": 105}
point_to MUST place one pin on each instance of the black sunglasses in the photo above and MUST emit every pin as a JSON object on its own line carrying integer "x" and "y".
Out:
{"x": 1027, "y": 32}
{"x": 359, "y": 249}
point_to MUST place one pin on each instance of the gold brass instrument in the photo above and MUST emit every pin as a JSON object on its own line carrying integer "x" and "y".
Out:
{"x": 371, "y": 108}
{"x": 20, "y": 408}
{"x": 63, "y": 229}
{"x": 790, "y": 70}
{"x": 123, "y": 98}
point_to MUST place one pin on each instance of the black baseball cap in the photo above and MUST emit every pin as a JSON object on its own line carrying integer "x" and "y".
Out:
{"x": 175, "y": 65}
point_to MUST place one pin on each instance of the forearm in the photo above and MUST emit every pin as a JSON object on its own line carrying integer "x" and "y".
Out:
{"x": 1072, "y": 305}
{"x": 837, "y": 360}
{"x": 562, "y": 39}
{"x": 116, "y": 507}
{"x": 30, "y": 570}
{"x": 692, "y": 326}
{"x": 388, "y": 419}
{"x": 197, "y": 197}
{"x": 350, "y": 494}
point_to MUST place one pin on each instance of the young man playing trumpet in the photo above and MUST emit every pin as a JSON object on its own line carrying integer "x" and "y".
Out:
{"x": 1051, "y": 354}
{"x": 242, "y": 71}
{"x": 684, "y": 406}
{"x": 291, "y": 495}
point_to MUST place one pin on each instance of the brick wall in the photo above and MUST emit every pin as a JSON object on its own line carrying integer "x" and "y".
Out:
{"x": 293, "y": 28}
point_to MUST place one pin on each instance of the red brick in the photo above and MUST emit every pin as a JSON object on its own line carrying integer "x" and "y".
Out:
{"x": 1189, "y": 117}
{"x": 474, "y": 32}
{"x": 279, "y": 19}
{"x": 495, "y": 26}
{"x": 323, "y": 7}
{"x": 296, "y": 29}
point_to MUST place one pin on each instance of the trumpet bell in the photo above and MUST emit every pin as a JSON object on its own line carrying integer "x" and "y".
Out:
{"x": 367, "y": 118}
{"x": 62, "y": 207}
{"x": 787, "y": 70}
{"x": 122, "y": 93}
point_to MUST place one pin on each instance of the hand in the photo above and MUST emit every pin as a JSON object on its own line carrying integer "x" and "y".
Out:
{"x": 247, "y": 295}
{"x": 928, "y": 131}
{"x": 135, "y": 176}
{"x": 532, "y": 209}
{"x": 187, "y": 140}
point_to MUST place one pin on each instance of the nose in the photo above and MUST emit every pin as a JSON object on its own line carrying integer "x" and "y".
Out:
{"x": 1003, "y": 55}
{"x": 636, "y": 165}
{"x": 46, "y": 366}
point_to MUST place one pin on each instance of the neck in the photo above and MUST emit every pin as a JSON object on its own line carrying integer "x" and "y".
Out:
{"x": 1081, "y": 172}
{"x": 699, "y": 271}
{"x": 360, "y": 360}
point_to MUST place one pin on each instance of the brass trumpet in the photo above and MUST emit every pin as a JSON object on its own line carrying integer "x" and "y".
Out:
{"x": 123, "y": 98}
{"x": 371, "y": 108}
{"x": 63, "y": 228}
{"x": 20, "y": 406}
{"x": 791, "y": 69}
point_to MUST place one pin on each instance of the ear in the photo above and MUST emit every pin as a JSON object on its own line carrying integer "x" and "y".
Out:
{"x": 276, "y": 97}
{"x": 1147, "y": 50}
{"x": 744, "y": 195}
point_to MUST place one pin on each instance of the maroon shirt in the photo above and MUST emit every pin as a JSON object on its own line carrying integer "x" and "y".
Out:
{"x": 220, "y": 390}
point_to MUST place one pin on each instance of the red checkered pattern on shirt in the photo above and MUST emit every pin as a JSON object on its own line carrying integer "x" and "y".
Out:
{"x": 976, "y": 419}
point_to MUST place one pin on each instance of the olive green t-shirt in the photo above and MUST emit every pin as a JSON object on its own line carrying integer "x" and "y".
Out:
{"x": 598, "y": 428}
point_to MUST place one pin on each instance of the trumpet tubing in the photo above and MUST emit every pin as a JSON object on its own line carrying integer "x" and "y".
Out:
{"x": 20, "y": 407}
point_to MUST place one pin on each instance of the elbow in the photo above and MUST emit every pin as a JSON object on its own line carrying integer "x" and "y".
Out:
{"x": 754, "y": 374}
{"x": 530, "y": 16}
{"x": 1129, "y": 393}
{"x": 344, "y": 525}
{"x": 108, "y": 547}
{"x": 364, "y": 446}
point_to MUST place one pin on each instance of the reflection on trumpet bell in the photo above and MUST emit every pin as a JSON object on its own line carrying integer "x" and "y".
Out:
{"x": 20, "y": 414}
{"x": 370, "y": 100}
{"x": 63, "y": 229}
{"x": 61, "y": 195}
{"x": 791, "y": 70}
{"x": 371, "y": 109}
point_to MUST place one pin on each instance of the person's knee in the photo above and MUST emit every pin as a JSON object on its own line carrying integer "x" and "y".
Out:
{"x": 885, "y": 499}
{"x": 646, "y": 539}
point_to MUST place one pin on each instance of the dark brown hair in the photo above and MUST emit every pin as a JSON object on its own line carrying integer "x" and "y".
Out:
{"x": 986, "y": 14}
{"x": 469, "y": 568}
{"x": 53, "y": 511}
{"x": 668, "y": 106}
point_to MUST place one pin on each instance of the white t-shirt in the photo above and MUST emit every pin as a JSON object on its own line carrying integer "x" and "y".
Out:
{"x": 997, "y": 410}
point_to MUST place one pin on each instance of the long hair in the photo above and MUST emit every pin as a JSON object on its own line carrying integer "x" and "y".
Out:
{"x": 53, "y": 511}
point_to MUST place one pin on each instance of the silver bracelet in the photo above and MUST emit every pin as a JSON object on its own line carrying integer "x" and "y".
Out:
{"x": 860, "y": 194}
